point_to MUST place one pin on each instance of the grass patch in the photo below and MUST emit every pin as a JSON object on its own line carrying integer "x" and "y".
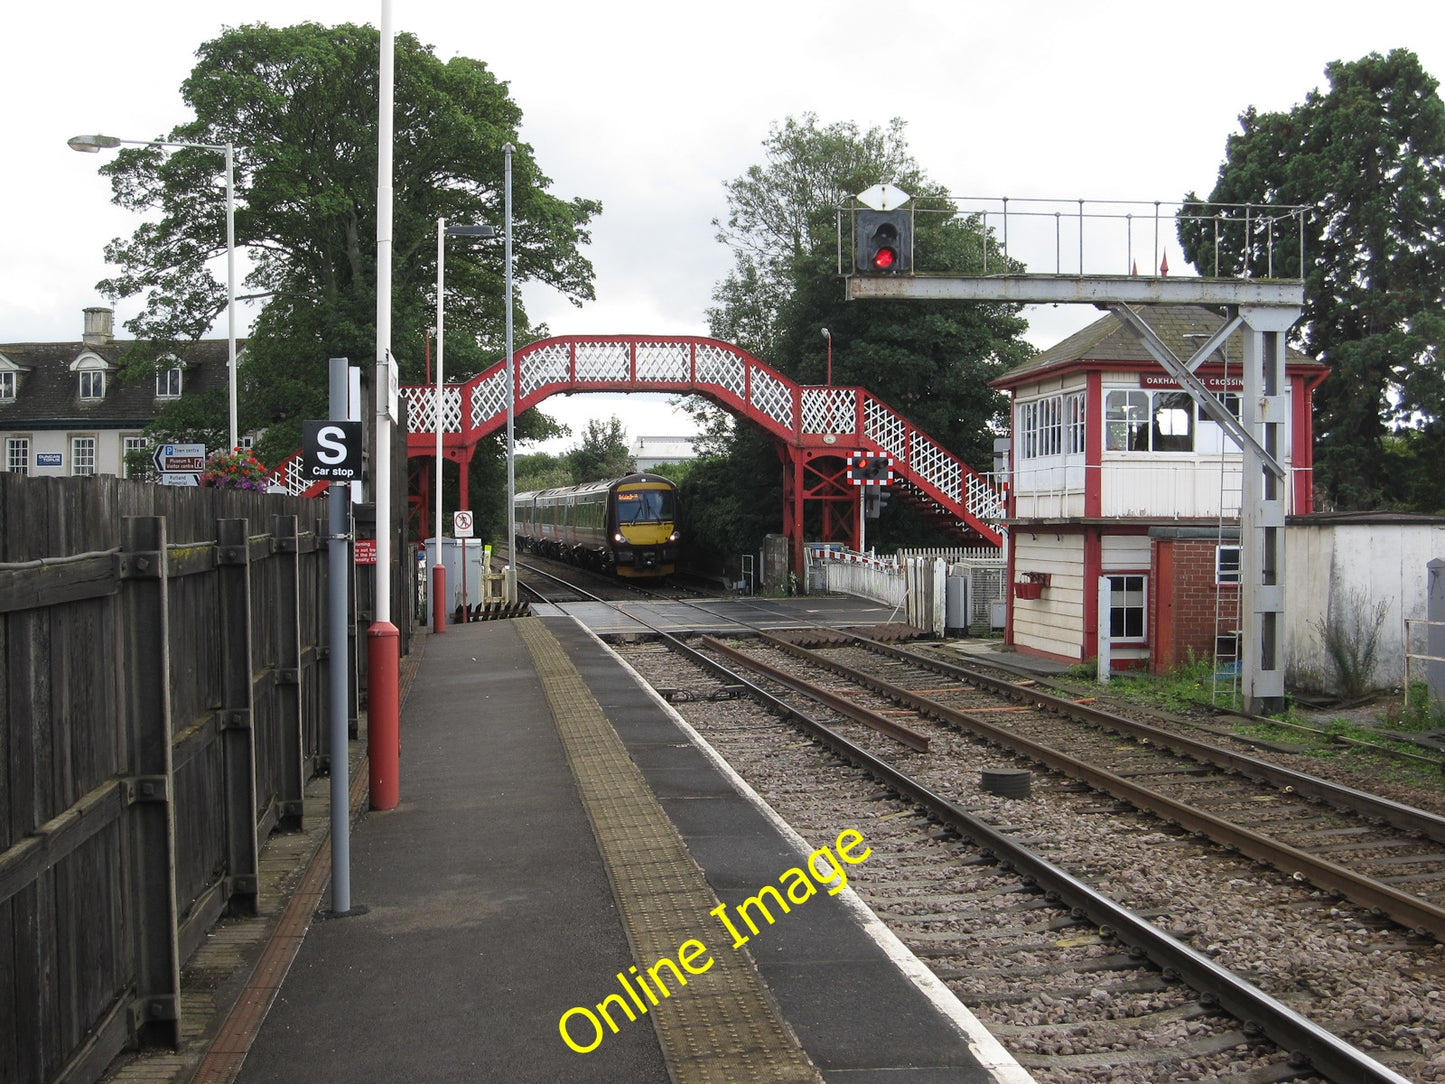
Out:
{"x": 1351, "y": 744}
{"x": 1191, "y": 687}
{"x": 1187, "y": 687}
{"x": 1418, "y": 714}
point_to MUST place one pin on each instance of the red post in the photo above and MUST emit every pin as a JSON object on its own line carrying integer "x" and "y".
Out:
{"x": 438, "y": 597}
{"x": 383, "y": 724}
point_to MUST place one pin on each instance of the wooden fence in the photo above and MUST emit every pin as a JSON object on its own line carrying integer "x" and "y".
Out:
{"x": 162, "y": 704}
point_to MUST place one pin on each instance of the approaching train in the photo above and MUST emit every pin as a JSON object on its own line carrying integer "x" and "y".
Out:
{"x": 624, "y": 527}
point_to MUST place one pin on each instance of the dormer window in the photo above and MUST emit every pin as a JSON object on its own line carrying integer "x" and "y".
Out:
{"x": 91, "y": 368}
{"x": 168, "y": 383}
{"x": 7, "y": 386}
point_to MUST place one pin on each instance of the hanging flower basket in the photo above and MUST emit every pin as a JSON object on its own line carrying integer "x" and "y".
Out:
{"x": 1028, "y": 589}
{"x": 234, "y": 470}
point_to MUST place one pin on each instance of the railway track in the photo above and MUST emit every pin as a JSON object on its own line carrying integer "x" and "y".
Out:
{"x": 554, "y": 582}
{"x": 1098, "y": 942}
{"x": 1378, "y": 853}
{"x": 1098, "y": 939}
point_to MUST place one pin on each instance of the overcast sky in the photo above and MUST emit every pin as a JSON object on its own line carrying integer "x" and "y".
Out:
{"x": 651, "y": 107}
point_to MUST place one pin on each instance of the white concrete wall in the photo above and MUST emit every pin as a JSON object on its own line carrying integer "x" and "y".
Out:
{"x": 1327, "y": 567}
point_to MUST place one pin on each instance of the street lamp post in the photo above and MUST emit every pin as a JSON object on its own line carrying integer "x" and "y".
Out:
{"x": 91, "y": 144}
{"x": 439, "y": 573}
{"x": 511, "y": 579}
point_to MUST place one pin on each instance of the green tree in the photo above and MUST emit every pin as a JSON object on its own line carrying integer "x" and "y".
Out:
{"x": 786, "y": 210}
{"x": 603, "y": 453}
{"x": 299, "y": 104}
{"x": 538, "y": 470}
{"x": 930, "y": 361}
{"x": 1367, "y": 157}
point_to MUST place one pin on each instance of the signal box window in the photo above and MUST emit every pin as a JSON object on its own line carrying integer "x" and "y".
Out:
{"x": 1126, "y": 421}
{"x": 1173, "y": 422}
{"x": 1164, "y": 421}
{"x": 1126, "y": 607}
{"x": 1226, "y": 564}
{"x": 1050, "y": 426}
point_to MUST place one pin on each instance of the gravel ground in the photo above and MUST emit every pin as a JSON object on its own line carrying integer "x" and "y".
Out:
{"x": 1351, "y": 973}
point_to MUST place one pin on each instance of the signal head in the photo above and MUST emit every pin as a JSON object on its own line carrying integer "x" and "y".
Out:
{"x": 882, "y": 242}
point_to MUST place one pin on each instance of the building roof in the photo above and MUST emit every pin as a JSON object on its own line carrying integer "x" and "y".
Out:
{"x": 663, "y": 449}
{"x": 48, "y": 388}
{"x": 1107, "y": 340}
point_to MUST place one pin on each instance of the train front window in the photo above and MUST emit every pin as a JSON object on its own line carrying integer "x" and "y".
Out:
{"x": 644, "y": 506}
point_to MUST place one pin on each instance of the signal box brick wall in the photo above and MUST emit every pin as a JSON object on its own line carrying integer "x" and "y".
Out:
{"x": 1186, "y": 600}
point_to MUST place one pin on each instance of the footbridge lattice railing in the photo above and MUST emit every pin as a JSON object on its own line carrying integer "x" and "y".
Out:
{"x": 803, "y": 416}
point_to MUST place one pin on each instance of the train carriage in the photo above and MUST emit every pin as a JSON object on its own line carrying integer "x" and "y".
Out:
{"x": 623, "y": 526}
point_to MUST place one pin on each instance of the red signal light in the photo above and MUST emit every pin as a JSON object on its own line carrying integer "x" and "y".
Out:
{"x": 883, "y": 242}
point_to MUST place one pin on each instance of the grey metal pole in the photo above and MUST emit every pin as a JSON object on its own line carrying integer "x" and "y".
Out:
{"x": 231, "y": 293}
{"x": 437, "y": 414}
{"x": 338, "y": 496}
{"x": 511, "y": 583}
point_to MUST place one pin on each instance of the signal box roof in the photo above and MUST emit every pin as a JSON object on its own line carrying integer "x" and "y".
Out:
{"x": 1106, "y": 343}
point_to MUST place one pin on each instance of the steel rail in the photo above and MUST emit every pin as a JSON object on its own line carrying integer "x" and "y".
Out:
{"x": 1409, "y": 911}
{"x": 841, "y": 704}
{"x": 1309, "y": 1043}
{"x": 1402, "y": 816}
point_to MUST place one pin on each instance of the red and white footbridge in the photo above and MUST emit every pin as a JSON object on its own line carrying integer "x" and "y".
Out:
{"x": 814, "y": 428}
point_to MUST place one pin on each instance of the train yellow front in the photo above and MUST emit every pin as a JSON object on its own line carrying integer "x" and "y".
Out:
{"x": 624, "y": 526}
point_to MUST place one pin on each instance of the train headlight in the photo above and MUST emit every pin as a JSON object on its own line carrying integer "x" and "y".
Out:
{"x": 674, "y": 536}
{"x": 618, "y": 538}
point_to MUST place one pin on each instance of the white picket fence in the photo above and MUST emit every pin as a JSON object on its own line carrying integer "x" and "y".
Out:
{"x": 916, "y": 585}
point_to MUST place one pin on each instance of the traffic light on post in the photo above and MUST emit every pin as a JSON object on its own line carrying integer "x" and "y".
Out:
{"x": 868, "y": 469}
{"x": 883, "y": 242}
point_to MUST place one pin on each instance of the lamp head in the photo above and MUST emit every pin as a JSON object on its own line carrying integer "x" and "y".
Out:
{"x": 91, "y": 144}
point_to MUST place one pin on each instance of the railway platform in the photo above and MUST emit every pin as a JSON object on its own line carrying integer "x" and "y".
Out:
{"x": 570, "y": 890}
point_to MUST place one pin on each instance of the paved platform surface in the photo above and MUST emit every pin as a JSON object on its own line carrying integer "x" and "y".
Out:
{"x": 492, "y": 910}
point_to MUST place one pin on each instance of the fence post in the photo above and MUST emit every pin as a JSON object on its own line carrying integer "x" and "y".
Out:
{"x": 145, "y": 656}
{"x": 1434, "y": 631}
{"x": 238, "y": 739}
{"x": 913, "y": 608}
{"x": 939, "y": 587}
{"x": 290, "y": 733}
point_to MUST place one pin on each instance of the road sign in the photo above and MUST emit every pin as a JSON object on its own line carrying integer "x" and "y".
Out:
{"x": 187, "y": 478}
{"x": 331, "y": 451}
{"x": 883, "y": 197}
{"x": 461, "y": 524}
{"x": 179, "y": 459}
